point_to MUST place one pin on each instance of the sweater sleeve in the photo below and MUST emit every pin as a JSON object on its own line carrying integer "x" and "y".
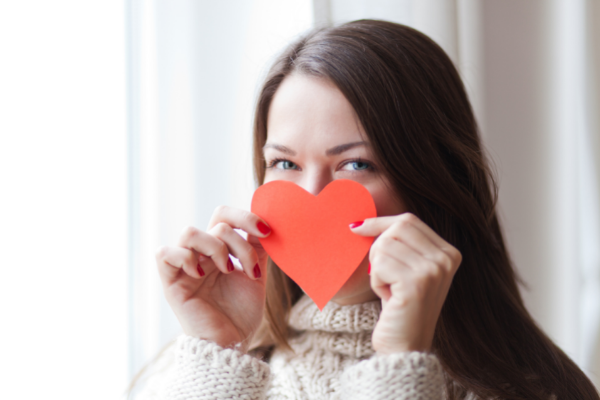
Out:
{"x": 204, "y": 370}
{"x": 401, "y": 376}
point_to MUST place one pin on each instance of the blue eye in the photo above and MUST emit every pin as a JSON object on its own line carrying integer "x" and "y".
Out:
{"x": 352, "y": 165}
{"x": 358, "y": 165}
{"x": 285, "y": 164}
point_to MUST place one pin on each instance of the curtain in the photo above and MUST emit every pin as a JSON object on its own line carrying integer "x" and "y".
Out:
{"x": 194, "y": 67}
{"x": 532, "y": 71}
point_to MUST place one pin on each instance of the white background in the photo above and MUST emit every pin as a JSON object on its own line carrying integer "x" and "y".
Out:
{"x": 63, "y": 200}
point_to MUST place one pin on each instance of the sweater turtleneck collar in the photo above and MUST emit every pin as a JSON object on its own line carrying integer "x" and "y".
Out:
{"x": 305, "y": 315}
{"x": 341, "y": 329}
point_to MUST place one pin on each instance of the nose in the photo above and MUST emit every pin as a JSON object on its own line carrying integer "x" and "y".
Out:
{"x": 315, "y": 181}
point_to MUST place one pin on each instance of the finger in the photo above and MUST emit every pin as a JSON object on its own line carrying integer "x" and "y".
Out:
{"x": 240, "y": 219}
{"x": 207, "y": 245}
{"x": 427, "y": 231}
{"x": 386, "y": 271}
{"x": 372, "y": 226}
{"x": 238, "y": 247}
{"x": 391, "y": 275}
{"x": 452, "y": 252}
{"x": 389, "y": 256}
{"x": 405, "y": 231}
{"x": 171, "y": 260}
{"x": 436, "y": 239}
{"x": 376, "y": 226}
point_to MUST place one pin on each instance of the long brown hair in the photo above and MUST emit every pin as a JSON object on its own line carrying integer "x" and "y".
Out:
{"x": 415, "y": 111}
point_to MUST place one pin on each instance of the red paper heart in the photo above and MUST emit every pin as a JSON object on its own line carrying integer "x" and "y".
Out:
{"x": 310, "y": 238}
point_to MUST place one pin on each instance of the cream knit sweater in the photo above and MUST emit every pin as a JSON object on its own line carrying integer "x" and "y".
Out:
{"x": 333, "y": 359}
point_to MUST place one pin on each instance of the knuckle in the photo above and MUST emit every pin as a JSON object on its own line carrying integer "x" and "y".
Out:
{"x": 456, "y": 256}
{"x": 408, "y": 218}
{"x": 249, "y": 218}
{"x": 375, "y": 259}
{"x": 401, "y": 224}
{"x": 379, "y": 246}
{"x": 189, "y": 231}
{"x": 221, "y": 229}
{"x": 385, "y": 241}
{"x": 403, "y": 298}
{"x": 248, "y": 253}
{"x": 219, "y": 210}
{"x": 434, "y": 272}
{"x": 443, "y": 260}
{"x": 222, "y": 248}
{"x": 428, "y": 273}
{"x": 161, "y": 253}
{"x": 375, "y": 247}
{"x": 189, "y": 259}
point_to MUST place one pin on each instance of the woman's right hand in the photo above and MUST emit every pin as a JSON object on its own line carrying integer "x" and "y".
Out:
{"x": 210, "y": 298}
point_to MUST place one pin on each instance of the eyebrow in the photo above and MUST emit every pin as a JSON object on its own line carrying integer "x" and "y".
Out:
{"x": 334, "y": 151}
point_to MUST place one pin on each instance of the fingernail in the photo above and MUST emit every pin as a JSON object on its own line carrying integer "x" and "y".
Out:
{"x": 369, "y": 268}
{"x": 264, "y": 229}
{"x": 200, "y": 270}
{"x": 257, "y": 273}
{"x": 229, "y": 265}
{"x": 356, "y": 224}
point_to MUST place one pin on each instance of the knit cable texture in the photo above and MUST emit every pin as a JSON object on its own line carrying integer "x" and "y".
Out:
{"x": 400, "y": 376}
{"x": 205, "y": 370}
{"x": 332, "y": 359}
{"x": 356, "y": 318}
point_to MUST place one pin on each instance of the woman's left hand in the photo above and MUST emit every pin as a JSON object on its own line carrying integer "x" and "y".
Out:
{"x": 411, "y": 271}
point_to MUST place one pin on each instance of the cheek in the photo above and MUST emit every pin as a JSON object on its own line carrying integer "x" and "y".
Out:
{"x": 386, "y": 202}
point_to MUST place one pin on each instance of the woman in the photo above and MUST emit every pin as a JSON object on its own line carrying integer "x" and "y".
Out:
{"x": 432, "y": 312}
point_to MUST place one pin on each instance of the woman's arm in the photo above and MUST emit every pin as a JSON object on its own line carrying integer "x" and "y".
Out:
{"x": 218, "y": 307}
{"x": 204, "y": 370}
{"x": 409, "y": 375}
{"x": 412, "y": 270}
{"x": 201, "y": 369}
{"x": 210, "y": 298}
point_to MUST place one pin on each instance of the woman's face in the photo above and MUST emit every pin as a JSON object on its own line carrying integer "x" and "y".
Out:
{"x": 314, "y": 137}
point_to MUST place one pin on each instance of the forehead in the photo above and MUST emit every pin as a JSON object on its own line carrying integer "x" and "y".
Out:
{"x": 312, "y": 109}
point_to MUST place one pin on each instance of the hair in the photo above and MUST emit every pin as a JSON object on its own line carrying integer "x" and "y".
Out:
{"x": 416, "y": 114}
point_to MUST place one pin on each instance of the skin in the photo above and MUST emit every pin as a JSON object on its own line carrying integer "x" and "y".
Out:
{"x": 314, "y": 137}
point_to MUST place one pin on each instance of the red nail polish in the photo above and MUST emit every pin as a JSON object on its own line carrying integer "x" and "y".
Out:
{"x": 369, "y": 268}
{"x": 264, "y": 229}
{"x": 200, "y": 270}
{"x": 229, "y": 265}
{"x": 257, "y": 273}
{"x": 356, "y": 224}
